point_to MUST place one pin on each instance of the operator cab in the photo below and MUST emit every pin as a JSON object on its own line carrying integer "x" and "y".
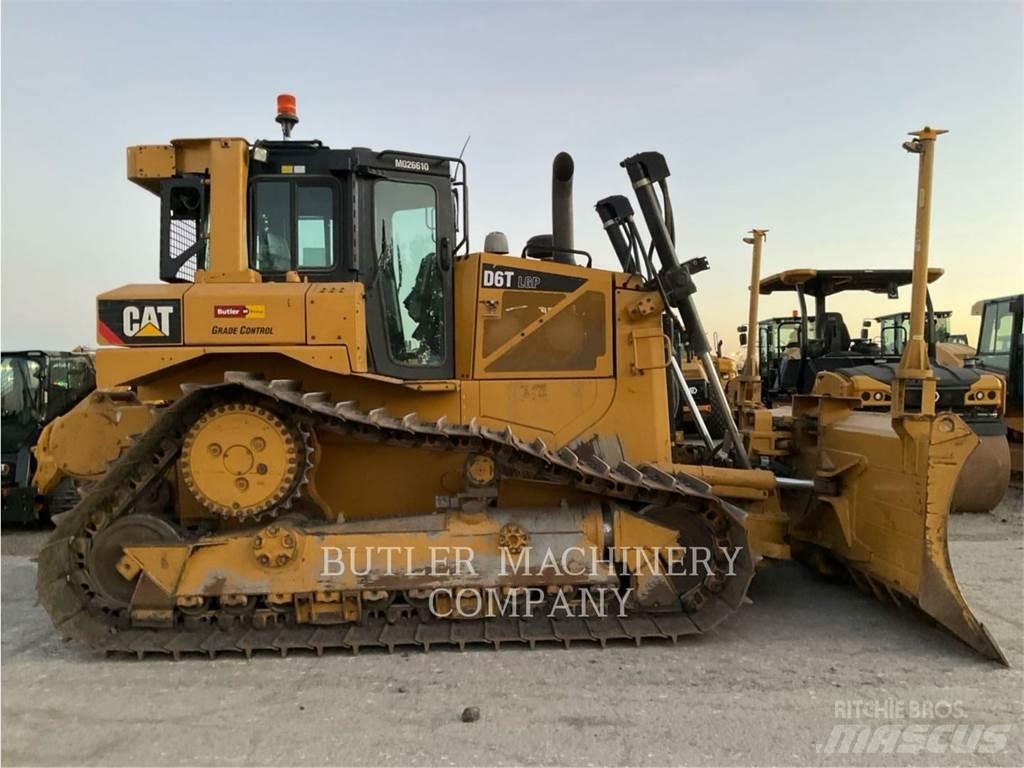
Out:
{"x": 778, "y": 339}
{"x": 38, "y": 387}
{"x": 894, "y": 330}
{"x": 388, "y": 220}
{"x": 384, "y": 219}
{"x": 1001, "y": 341}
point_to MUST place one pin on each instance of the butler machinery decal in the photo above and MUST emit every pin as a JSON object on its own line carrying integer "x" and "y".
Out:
{"x": 139, "y": 321}
{"x": 240, "y": 311}
{"x": 513, "y": 278}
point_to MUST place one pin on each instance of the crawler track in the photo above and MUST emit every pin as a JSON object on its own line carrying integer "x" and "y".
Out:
{"x": 80, "y": 612}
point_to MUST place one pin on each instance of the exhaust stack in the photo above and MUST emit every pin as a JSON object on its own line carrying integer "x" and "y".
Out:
{"x": 562, "y": 170}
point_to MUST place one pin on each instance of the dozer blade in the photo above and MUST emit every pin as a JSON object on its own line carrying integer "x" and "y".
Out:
{"x": 888, "y": 520}
{"x": 939, "y": 594}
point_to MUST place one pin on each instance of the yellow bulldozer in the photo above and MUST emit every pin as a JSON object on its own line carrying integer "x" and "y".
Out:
{"x": 335, "y": 425}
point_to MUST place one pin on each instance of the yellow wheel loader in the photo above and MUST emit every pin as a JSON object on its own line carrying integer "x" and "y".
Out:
{"x": 335, "y": 425}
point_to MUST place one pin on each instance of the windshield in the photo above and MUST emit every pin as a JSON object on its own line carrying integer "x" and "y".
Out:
{"x": 789, "y": 334}
{"x": 893, "y": 335}
{"x": 895, "y": 331}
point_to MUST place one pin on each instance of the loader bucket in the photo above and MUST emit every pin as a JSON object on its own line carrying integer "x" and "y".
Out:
{"x": 887, "y": 523}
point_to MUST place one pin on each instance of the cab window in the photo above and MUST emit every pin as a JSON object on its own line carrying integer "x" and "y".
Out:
{"x": 315, "y": 227}
{"x": 409, "y": 275}
{"x": 13, "y": 379}
{"x": 789, "y": 335}
{"x": 21, "y": 388}
{"x": 891, "y": 338}
{"x": 766, "y": 343}
{"x": 996, "y": 330}
{"x": 292, "y": 225}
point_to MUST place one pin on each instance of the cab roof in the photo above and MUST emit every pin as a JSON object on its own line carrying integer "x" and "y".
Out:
{"x": 825, "y": 282}
{"x": 783, "y": 319}
{"x": 940, "y": 313}
{"x": 978, "y": 306}
{"x": 44, "y": 352}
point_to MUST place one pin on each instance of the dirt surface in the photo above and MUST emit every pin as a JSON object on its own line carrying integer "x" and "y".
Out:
{"x": 767, "y": 687}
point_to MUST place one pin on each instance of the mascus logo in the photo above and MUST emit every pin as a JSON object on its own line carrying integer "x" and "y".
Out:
{"x": 240, "y": 311}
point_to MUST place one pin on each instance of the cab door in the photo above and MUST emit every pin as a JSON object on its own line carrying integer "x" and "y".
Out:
{"x": 405, "y": 261}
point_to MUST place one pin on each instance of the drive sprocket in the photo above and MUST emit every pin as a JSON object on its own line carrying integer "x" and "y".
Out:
{"x": 241, "y": 460}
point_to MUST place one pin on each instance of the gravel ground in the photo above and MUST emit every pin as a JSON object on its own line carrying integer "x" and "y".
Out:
{"x": 766, "y": 688}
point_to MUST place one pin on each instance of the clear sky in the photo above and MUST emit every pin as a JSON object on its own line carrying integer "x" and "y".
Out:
{"x": 782, "y": 115}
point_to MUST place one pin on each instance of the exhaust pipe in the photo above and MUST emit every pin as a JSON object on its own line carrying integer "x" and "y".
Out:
{"x": 562, "y": 170}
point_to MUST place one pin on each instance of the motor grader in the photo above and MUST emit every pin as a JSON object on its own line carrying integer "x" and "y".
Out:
{"x": 328, "y": 368}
